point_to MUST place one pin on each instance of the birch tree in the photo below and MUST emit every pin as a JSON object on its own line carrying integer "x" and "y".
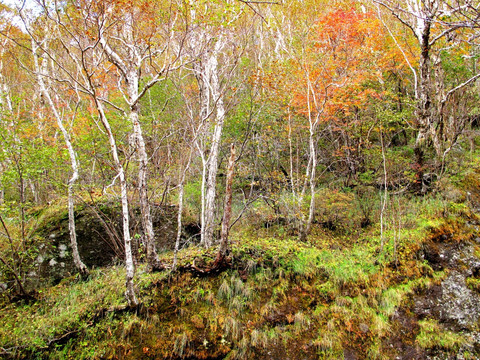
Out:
{"x": 214, "y": 53}
{"x": 41, "y": 75}
{"x": 141, "y": 40}
{"x": 437, "y": 26}
{"x": 80, "y": 62}
{"x": 329, "y": 56}
{"x": 5, "y": 97}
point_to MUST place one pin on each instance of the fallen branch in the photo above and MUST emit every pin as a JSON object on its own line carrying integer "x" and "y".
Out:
{"x": 220, "y": 264}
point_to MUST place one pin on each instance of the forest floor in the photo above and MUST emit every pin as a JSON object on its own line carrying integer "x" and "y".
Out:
{"x": 339, "y": 295}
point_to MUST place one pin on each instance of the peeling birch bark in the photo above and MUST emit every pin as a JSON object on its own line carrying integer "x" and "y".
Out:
{"x": 227, "y": 212}
{"x": 41, "y": 73}
{"x": 130, "y": 70}
{"x": 129, "y": 264}
{"x": 210, "y": 76}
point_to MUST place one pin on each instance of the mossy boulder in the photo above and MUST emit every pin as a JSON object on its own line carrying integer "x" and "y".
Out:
{"x": 99, "y": 237}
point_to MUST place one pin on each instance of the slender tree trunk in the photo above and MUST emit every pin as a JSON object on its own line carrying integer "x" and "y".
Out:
{"x": 129, "y": 264}
{"x": 5, "y": 100}
{"x": 41, "y": 72}
{"x": 227, "y": 212}
{"x": 385, "y": 196}
{"x": 202, "y": 195}
{"x": 21, "y": 209}
{"x": 312, "y": 163}
{"x": 424, "y": 115}
{"x": 211, "y": 190}
{"x": 145, "y": 209}
{"x": 71, "y": 227}
{"x": 179, "y": 224}
{"x": 200, "y": 71}
{"x": 130, "y": 68}
{"x": 212, "y": 164}
{"x": 313, "y": 173}
{"x": 180, "y": 211}
{"x": 302, "y": 231}
{"x": 290, "y": 152}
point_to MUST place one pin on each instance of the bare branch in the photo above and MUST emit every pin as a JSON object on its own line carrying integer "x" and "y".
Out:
{"x": 462, "y": 85}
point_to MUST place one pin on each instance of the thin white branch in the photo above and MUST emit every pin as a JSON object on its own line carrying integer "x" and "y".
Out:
{"x": 452, "y": 91}
{"x": 415, "y": 76}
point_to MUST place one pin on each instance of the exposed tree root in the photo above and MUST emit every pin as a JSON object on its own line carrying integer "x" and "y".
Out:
{"x": 221, "y": 263}
{"x": 156, "y": 267}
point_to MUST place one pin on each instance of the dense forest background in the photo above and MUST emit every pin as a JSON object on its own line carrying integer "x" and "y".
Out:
{"x": 322, "y": 130}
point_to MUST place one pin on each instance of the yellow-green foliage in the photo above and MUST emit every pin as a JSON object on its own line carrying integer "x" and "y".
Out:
{"x": 392, "y": 297}
{"x": 473, "y": 284}
{"x": 325, "y": 296}
{"x": 335, "y": 209}
{"x": 346, "y": 267}
{"x": 433, "y": 335}
{"x": 61, "y": 309}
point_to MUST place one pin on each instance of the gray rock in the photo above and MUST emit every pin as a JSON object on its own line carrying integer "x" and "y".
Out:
{"x": 363, "y": 327}
{"x": 458, "y": 303}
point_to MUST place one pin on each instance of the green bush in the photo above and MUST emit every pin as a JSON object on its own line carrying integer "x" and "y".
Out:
{"x": 335, "y": 209}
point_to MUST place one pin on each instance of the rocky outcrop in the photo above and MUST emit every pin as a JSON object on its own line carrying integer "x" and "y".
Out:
{"x": 99, "y": 237}
{"x": 451, "y": 303}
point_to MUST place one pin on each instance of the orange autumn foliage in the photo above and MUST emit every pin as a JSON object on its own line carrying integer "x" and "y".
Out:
{"x": 341, "y": 58}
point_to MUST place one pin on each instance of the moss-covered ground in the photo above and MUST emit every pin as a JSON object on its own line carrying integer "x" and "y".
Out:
{"x": 281, "y": 299}
{"x": 339, "y": 295}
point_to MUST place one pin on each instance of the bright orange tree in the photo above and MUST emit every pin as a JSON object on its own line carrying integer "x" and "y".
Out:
{"x": 342, "y": 67}
{"x": 338, "y": 63}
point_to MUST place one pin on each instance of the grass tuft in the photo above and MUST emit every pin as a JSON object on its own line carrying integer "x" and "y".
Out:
{"x": 432, "y": 335}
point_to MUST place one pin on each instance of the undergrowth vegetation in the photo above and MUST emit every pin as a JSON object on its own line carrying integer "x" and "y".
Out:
{"x": 338, "y": 292}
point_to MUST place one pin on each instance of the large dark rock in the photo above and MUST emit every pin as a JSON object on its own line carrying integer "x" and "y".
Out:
{"x": 100, "y": 238}
{"x": 450, "y": 302}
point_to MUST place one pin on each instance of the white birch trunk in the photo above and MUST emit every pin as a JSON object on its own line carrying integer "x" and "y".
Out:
{"x": 207, "y": 72}
{"x": 41, "y": 72}
{"x": 179, "y": 223}
{"x": 313, "y": 121}
{"x": 227, "y": 210}
{"x": 130, "y": 70}
{"x": 290, "y": 152}
{"x": 180, "y": 210}
{"x": 211, "y": 70}
{"x": 133, "y": 97}
{"x": 5, "y": 100}
{"x": 152, "y": 257}
{"x": 385, "y": 196}
{"x": 129, "y": 265}
{"x": 85, "y": 80}
{"x": 302, "y": 226}
{"x": 313, "y": 154}
{"x": 202, "y": 74}
{"x": 202, "y": 213}
{"x": 207, "y": 44}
